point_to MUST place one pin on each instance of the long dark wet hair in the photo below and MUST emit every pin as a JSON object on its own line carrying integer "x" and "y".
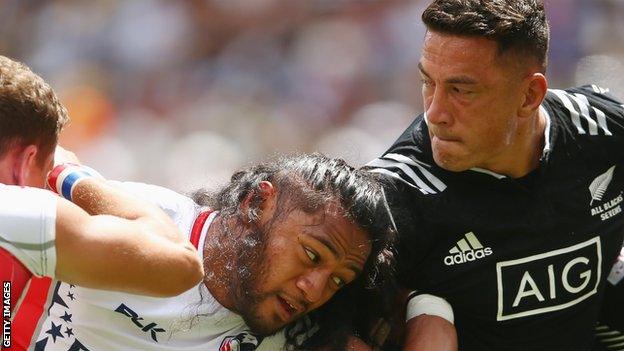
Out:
{"x": 309, "y": 183}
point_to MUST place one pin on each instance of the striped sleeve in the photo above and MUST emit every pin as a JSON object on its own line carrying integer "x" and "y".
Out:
{"x": 411, "y": 172}
{"x": 592, "y": 110}
{"x": 27, "y": 227}
{"x": 610, "y": 338}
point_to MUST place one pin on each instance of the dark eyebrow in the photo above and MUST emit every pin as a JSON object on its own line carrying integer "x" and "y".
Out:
{"x": 453, "y": 80}
{"x": 422, "y": 70}
{"x": 331, "y": 247}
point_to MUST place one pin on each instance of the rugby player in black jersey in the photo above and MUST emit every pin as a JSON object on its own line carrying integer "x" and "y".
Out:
{"x": 507, "y": 195}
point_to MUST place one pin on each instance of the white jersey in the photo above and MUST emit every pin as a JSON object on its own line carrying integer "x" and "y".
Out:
{"x": 27, "y": 227}
{"x": 88, "y": 319}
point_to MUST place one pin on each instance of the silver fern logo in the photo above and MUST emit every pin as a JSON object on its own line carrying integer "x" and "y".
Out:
{"x": 598, "y": 187}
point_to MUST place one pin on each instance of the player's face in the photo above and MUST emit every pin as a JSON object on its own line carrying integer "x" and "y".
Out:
{"x": 307, "y": 258}
{"x": 471, "y": 98}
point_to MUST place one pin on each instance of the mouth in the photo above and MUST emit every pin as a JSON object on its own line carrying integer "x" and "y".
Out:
{"x": 434, "y": 134}
{"x": 444, "y": 138}
{"x": 288, "y": 308}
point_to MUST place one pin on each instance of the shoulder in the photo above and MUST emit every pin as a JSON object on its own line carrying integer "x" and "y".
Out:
{"x": 588, "y": 110}
{"x": 415, "y": 137}
{"x": 407, "y": 170}
{"x": 408, "y": 162}
{"x": 24, "y": 203}
{"x": 27, "y": 227}
{"x": 23, "y": 194}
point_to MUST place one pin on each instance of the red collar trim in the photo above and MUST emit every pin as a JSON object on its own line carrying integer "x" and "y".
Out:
{"x": 198, "y": 226}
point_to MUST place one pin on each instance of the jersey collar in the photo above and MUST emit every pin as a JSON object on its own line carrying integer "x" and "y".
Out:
{"x": 200, "y": 229}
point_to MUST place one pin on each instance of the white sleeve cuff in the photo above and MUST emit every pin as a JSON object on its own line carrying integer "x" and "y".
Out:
{"x": 429, "y": 304}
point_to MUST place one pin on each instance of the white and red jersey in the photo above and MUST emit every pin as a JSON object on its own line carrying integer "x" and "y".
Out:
{"x": 27, "y": 237}
{"x": 88, "y": 319}
{"x": 28, "y": 227}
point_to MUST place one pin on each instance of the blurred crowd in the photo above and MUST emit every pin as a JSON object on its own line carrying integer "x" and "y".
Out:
{"x": 181, "y": 93}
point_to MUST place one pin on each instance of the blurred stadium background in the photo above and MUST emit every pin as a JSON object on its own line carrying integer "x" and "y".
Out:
{"x": 181, "y": 93}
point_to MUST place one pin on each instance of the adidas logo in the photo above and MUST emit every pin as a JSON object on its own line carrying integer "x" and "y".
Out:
{"x": 468, "y": 249}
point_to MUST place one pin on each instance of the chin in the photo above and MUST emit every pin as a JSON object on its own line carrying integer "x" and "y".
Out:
{"x": 263, "y": 325}
{"x": 450, "y": 162}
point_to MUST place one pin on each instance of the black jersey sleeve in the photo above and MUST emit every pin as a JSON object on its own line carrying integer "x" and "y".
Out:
{"x": 413, "y": 240}
{"x": 407, "y": 182}
{"x": 597, "y": 116}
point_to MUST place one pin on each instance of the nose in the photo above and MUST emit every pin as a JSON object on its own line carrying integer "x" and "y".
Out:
{"x": 313, "y": 284}
{"x": 436, "y": 108}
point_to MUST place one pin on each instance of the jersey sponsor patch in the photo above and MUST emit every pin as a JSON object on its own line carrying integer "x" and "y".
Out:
{"x": 548, "y": 282}
{"x": 467, "y": 249}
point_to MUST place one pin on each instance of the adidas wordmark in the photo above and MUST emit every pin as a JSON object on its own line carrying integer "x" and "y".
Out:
{"x": 468, "y": 249}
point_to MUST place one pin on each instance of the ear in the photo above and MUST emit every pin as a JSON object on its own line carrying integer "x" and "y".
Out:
{"x": 534, "y": 93}
{"x": 266, "y": 191}
{"x": 25, "y": 161}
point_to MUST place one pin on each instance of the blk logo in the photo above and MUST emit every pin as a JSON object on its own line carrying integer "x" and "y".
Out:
{"x": 134, "y": 317}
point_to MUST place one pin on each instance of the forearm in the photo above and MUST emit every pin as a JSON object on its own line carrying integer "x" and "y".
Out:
{"x": 112, "y": 253}
{"x": 114, "y": 240}
{"x": 87, "y": 189}
{"x": 143, "y": 254}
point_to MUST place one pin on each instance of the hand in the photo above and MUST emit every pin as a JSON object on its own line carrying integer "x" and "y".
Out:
{"x": 62, "y": 155}
{"x": 356, "y": 344}
{"x": 425, "y": 333}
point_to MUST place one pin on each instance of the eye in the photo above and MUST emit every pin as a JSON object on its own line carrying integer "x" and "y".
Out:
{"x": 426, "y": 82}
{"x": 461, "y": 91}
{"x": 338, "y": 281}
{"x": 313, "y": 256}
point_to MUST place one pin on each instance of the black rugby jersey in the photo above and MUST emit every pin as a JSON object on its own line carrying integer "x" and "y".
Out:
{"x": 522, "y": 261}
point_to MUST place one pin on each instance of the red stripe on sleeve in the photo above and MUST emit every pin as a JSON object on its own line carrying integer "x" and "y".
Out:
{"x": 12, "y": 270}
{"x": 29, "y": 313}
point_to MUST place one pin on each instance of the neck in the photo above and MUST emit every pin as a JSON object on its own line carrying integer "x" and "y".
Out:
{"x": 219, "y": 260}
{"x": 524, "y": 154}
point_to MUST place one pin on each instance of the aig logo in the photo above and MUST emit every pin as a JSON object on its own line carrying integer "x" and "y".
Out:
{"x": 548, "y": 282}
